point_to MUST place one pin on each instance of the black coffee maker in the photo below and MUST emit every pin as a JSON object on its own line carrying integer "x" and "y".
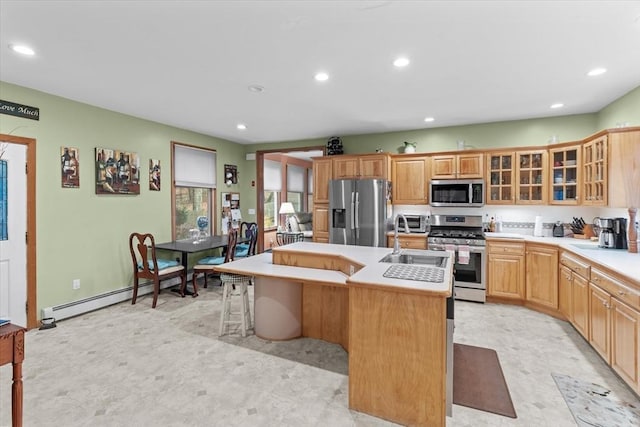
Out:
{"x": 620, "y": 233}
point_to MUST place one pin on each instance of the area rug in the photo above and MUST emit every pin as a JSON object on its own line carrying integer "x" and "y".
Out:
{"x": 478, "y": 381}
{"x": 592, "y": 404}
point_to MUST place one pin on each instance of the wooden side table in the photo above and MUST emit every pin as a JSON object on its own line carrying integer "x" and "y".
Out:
{"x": 12, "y": 351}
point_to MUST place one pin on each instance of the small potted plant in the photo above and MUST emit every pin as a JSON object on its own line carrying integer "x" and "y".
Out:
{"x": 409, "y": 147}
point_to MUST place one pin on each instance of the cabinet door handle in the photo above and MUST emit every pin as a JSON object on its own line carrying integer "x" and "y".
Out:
{"x": 596, "y": 279}
{"x": 621, "y": 293}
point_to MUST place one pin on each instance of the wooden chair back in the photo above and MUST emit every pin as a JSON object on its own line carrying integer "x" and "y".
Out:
{"x": 143, "y": 254}
{"x": 232, "y": 239}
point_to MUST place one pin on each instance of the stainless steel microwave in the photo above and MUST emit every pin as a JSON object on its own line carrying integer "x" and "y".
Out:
{"x": 457, "y": 192}
{"x": 417, "y": 223}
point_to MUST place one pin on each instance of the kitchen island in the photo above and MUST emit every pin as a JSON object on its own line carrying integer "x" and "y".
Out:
{"x": 394, "y": 330}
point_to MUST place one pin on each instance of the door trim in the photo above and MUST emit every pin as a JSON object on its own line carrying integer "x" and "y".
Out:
{"x": 32, "y": 318}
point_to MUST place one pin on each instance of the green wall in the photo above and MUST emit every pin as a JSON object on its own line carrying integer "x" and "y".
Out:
{"x": 81, "y": 235}
{"x": 623, "y": 110}
{"x": 84, "y": 236}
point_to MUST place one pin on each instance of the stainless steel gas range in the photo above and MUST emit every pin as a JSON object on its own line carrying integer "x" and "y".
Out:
{"x": 463, "y": 235}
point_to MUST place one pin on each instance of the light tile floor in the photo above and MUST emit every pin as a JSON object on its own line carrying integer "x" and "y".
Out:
{"x": 134, "y": 366}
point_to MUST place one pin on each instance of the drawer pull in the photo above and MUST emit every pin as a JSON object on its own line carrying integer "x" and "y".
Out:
{"x": 596, "y": 279}
{"x": 621, "y": 293}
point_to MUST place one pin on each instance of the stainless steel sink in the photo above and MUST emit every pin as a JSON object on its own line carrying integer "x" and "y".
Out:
{"x": 415, "y": 257}
{"x": 585, "y": 246}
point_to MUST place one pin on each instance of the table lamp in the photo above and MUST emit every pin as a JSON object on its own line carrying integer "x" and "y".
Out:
{"x": 287, "y": 209}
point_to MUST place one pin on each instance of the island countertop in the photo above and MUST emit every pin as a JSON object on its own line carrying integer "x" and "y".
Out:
{"x": 371, "y": 274}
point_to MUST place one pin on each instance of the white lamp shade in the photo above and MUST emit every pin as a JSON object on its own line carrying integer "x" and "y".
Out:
{"x": 286, "y": 208}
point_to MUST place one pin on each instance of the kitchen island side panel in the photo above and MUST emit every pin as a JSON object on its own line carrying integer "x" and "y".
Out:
{"x": 397, "y": 356}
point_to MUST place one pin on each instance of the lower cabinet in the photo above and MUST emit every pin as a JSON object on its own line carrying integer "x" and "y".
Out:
{"x": 600, "y": 321}
{"x": 506, "y": 270}
{"x": 580, "y": 304}
{"x": 321, "y": 223}
{"x": 625, "y": 342}
{"x": 542, "y": 275}
{"x": 564, "y": 292}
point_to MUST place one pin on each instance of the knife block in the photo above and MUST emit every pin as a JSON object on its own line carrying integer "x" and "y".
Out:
{"x": 587, "y": 232}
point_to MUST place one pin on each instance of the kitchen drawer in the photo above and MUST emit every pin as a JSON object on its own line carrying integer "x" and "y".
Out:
{"x": 577, "y": 266}
{"x": 409, "y": 242}
{"x": 616, "y": 288}
{"x": 506, "y": 248}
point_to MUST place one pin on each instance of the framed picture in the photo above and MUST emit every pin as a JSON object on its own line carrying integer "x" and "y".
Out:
{"x": 117, "y": 172}
{"x": 154, "y": 175}
{"x": 70, "y": 167}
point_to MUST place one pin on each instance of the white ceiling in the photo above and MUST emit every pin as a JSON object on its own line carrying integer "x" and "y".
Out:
{"x": 189, "y": 63}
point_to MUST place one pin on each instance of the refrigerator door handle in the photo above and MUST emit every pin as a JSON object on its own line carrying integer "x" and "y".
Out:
{"x": 357, "y": 214}
{"x": 353, "y": 224}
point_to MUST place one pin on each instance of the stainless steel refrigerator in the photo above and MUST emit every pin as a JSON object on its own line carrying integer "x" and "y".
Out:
{"x": 358, "y": 211}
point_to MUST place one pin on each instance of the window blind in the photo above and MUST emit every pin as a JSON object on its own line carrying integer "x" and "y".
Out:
{"x": 295, "y": 178}
{"x": 272, "y": 176}
{"x": 194, "y": 167}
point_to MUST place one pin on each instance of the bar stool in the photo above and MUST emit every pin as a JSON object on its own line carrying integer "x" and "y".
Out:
{"x": 229, "y": 283}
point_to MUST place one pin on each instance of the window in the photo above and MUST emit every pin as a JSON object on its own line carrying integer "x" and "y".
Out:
{"x": 194, "y": 191}
{"x": 272, "y": 188}
{"x": 295, "y": 186}
{"x": 271, "y": 209}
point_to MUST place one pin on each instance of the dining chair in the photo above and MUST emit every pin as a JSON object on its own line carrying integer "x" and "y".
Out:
{"x": 286, "y": 238}
{"x": 146, "y": 265}
{"x": 206, "y": 265}
{"x": 249, "y": 230}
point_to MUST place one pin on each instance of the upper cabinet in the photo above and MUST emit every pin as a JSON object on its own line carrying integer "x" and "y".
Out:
{"x": 457, "y": 166}
{"x": 322, "y": 172}
{"x": 410, "y": 179}
{"x": 624, "y": 153}
{"x": 565, "y": 164}
{"x": 594, "y": 171}
{"x": 368, "y": 166}
{"x": 518, "y": 177}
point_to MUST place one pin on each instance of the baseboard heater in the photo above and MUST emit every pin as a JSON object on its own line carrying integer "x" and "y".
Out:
{"x": 76, "y": 308}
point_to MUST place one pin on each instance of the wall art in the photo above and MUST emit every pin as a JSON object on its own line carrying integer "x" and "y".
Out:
{"x": 70, "y": 167}
{"x": 117, "y": 172}
{"x": 154, "y": 175}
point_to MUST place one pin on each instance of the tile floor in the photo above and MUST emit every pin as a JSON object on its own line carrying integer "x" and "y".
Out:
{"x": 134, "y": 366}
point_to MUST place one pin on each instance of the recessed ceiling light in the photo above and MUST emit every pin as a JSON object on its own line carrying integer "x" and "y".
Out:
{"x": 429, "y": 119}
{"x": 256, "y": 88}
{"x": 596, "y": 72}
{"x": 20, "y": 48}
{"x": 321, "y": 77}
{"x": 557, "y": 105}
{"x": 241, "y": 126}
{"x": 401, "y": 62}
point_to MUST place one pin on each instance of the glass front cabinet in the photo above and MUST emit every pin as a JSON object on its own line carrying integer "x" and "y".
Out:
{"x": 565, "y": 175}
{"x": 518, "y": 177}
{"x": 594, "y": 167}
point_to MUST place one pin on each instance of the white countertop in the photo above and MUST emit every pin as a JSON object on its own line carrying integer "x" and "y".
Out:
{"x": 370, "y": 275}
{"x": 620, "y": 260}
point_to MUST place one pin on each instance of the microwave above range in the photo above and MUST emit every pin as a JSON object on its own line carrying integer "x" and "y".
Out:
{"x": 458, "y": 192}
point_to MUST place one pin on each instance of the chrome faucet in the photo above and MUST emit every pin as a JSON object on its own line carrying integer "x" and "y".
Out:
{"x": 396, "y": 241}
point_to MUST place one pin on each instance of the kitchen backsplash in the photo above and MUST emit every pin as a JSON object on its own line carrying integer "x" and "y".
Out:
{"x": 520, "y": 219}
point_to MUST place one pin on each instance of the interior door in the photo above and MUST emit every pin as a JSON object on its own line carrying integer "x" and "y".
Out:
{"x": 13, "y": 248}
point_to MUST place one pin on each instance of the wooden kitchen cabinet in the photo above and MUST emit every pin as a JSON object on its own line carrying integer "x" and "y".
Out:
{"x": 457, "y": 166}
{"x": 517, "y": 177}
{"x": 409, "y": 241}
{"x": 410, "y": 177}
{"x": 580, "y": 304}
{"x": 322, "y": 174}
{"x": 625, "y": 342}
{"x": 580, "y": 273}
{"x": 542, "y": 275}
{"x": 321, "y": 223}
{"x": 565, "y": 175}
{"x": 506, "y": 270}
{"x": 600, "y": 321}
{"x": 364, "y": 166}
{"x": 624, "y": 152}
{"x": 564, "y": 292}
{"x": 595, "y": 172}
